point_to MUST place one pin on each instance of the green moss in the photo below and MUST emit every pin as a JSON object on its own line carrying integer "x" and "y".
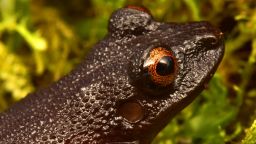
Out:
{"x": 250, "y": 137}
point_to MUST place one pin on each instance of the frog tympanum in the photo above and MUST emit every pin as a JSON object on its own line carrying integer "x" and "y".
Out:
{"x": 126, "y": 90}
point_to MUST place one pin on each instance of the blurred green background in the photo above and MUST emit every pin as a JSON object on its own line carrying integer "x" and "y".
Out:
{"x": 42, "y": 40}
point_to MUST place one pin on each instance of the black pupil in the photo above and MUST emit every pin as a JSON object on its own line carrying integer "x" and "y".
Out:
{"x": 165, "y": 66}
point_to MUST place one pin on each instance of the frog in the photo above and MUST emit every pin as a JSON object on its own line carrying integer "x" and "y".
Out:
{"x": 126, "y": 90}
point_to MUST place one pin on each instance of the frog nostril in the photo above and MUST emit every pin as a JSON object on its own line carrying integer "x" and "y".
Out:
{"x": 213, "y": 40}
{"x": 210, "y": 40}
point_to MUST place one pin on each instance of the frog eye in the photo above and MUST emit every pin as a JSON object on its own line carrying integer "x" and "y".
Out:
{"x": 165, "y": 66}
{"x": 160, "y": 67}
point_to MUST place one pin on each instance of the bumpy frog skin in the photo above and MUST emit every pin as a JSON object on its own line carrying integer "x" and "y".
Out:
{"x": 113, "y": 96}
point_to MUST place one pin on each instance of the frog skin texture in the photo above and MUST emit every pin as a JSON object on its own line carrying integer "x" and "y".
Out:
{"x": 110, "y": 97}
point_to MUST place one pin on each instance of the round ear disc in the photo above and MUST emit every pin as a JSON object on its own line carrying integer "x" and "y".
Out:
{"x": 132, "y": 111}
